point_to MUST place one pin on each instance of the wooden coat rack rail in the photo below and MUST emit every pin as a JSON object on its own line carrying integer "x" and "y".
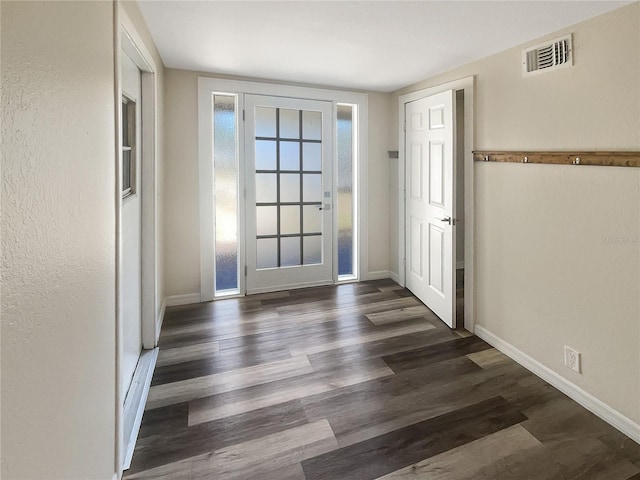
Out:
{"x": 601, "y": 159}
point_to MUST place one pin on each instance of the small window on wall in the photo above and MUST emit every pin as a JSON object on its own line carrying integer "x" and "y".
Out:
{"x": 128, "y": 147}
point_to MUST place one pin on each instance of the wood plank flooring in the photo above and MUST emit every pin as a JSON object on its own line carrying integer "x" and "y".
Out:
{"x": 356, "y": 382}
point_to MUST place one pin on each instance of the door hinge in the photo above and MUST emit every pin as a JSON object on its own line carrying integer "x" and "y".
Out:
{"x": 245, "y": 270}
{"x": 243, "y": 114}
{"x": 404, "y": 126}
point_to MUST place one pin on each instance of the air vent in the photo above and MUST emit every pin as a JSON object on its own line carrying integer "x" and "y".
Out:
{"x": 547, "y": 56}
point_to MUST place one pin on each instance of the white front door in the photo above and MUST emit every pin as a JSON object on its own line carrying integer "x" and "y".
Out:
{"x": 130, "y": 276}
{"x": 430, "y": 202}
{"x": 289, "y": 193}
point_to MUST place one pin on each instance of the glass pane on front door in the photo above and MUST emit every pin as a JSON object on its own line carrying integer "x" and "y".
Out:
{"x": 288, "y": 184}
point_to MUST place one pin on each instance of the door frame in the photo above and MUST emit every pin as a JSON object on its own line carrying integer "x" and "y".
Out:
{"x": 468, "y": 86}
{"x": 127, "y": 38}
{"x": 209, "y": 85}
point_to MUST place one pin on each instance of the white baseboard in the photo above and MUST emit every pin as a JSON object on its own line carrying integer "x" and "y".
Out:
{"x": 136, "y": 400}
{"x": 395, "y": 277}
{"x": 588, "y": 401}
{"x": 160, "y": 319}
{"x": 187, "y": 299}
{"x": 379, "y": 275}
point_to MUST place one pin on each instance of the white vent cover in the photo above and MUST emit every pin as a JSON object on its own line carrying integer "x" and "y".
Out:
{"x": 547, "y": 56}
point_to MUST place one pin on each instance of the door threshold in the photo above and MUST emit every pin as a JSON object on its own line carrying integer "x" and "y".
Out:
{"x": 293, "y": 286}
{"x": 135, "y": 402}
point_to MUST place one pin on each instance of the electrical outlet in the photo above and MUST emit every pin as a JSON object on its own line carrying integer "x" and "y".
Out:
{"x": 572, "y": 359}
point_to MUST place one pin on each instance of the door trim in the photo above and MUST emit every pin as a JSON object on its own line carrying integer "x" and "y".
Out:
{"x": 127, "y": 38}
{"x": 207, "y": 85}
{"x": 467, "y": 85}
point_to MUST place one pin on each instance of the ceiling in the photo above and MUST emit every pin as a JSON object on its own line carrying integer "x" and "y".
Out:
{"x": 368, "y": 45}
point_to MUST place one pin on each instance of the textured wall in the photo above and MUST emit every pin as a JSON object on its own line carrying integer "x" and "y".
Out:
{"x": 557, "y": 247}
{"x": 58, "y": 241}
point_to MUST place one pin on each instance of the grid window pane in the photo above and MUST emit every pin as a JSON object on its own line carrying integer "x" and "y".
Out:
{"x": 289, "y": 123}
{"x": 266, "y": 187}
{"x": 312, "y": 187}
{"x": 282, "y": 151}
{"x": 265, "y": 122}
{"x": 266, "y": 155}
{"x": 312, "y": 156}
{"x": 289, "y": 219}
{"x": 312, "y": 247}
{"x": 289, "y": 156}
{"x": 290, "y": 187}
{"x": 312, "y": 219}
{"x": 290, "y": 251}
{"x": 311, "y": 125}
{"x": 267, "y": 220}
{"x": 267, "y": 253}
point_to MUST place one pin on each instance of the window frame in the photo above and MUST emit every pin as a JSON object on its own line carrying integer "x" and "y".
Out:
{"x": 129, "y": 110}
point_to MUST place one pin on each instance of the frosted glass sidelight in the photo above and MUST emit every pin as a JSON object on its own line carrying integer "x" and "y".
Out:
{"x": 289, "y": 251}
{"x": 290, "y": 156}
{"x": 312, "y": 247}
{"x": 312, "y": 156}
{"x": 266, "y": 155}
{"x": 290, "y": 187}
{"x": 266, "y": 187}
{"x": 312, "y": 187}
{"x": 311, "y": 219}
{"x": 311, "y": 125}
{"x": 267, "y": 220}
{"x": 225, "y": 167}
{"x": 289, "y": 219}
{"x": 265, "y": 122}
{"x": 267, "y": 253}
{"x": 289, "y": 123}
{"x": 345, "y": 189}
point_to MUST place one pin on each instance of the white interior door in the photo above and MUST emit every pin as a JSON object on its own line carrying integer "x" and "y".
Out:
{"x": 430, "y": 202}
{"x": 289, "y": 193}
{"x": 130, "y": 276}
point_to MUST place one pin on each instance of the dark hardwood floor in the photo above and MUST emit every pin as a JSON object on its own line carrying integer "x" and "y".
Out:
{"x": 356, "y": 382}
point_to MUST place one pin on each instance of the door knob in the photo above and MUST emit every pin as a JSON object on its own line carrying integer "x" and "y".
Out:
{"x": 447, "y": 219}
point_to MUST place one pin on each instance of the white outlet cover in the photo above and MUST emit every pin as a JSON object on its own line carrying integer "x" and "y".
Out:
{"x": 572, "y": 359}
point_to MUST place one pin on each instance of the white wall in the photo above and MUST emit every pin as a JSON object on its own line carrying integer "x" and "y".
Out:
{"x": 182, "y": 237}
{"x": 557, "y": 250}
{"x": 379, "y": 166}
{"x": 58, "y": 240}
